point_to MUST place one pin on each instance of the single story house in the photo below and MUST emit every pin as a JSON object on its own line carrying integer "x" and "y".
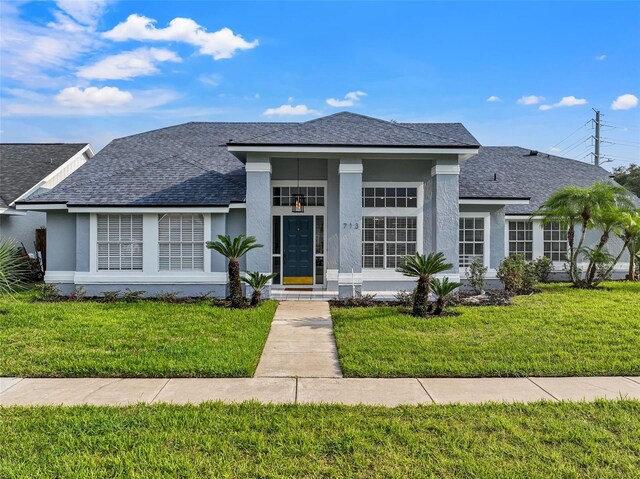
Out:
{"x": 27, "y": 168}
{"x": 335, "y": 202}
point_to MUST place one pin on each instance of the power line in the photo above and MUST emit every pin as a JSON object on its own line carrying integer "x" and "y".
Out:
{"x": 571, "y": 134}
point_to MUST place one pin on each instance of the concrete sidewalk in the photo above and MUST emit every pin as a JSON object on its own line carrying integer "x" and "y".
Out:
{"x": 385, "y": 392}
{"x": 300, "y": 343}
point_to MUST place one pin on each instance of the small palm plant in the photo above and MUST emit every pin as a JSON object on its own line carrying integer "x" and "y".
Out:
{"x": 423, "y": 267}
{"x": 233, "y": 249}
{"x": 442, "y": 289}
{"x": 257, "y": 281}
{"x": 13, "y": 267}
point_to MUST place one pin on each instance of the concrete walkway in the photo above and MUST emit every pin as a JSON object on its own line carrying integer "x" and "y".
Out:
{"x": 385, "y": 392}
{"x": 300, "y": 343}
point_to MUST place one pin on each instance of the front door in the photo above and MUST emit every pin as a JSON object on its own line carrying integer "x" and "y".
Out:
{"x": 298, "y": 250}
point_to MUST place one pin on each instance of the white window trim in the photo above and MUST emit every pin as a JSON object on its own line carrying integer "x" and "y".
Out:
{"x": 418, "y": 212}
{"x": 533, "y": 238}
{"x": 206, "y": 258}
{"x": 150, "y": 255}
{"x": 487, "y": 235}
{"x": 308, "y": 211}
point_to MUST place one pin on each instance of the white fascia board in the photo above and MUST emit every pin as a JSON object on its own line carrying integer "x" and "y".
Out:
{"x": 151, "y": 209}
{"x": 54, "y": 173}
{"x": 41, "y": 206}
{"x": 366, "y": 150}
{"x": 237, "y": 206}
{"x": 523, "y": 217}
{"x": 479, "y": 201}
{"x": 11, "y": 212}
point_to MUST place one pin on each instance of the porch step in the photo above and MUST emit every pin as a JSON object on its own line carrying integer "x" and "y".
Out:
{"x": 309, "y": 295}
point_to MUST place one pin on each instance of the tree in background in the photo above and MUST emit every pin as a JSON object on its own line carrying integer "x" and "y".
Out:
{"x": 629, "y": 177}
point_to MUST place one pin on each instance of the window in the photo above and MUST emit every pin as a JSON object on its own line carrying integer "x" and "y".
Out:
{"x": 389, "y": 197}
{"x": 319, "y": 232}
{"x": 120, "y": 242}
{"x": 521, "y": 238}
{"x": 471, "y": 244}
{"x": 181, "y": 242}
{"x": 386, "y": 239}
{"x": 555, "y": 241}
{"x": 313, "y": 195}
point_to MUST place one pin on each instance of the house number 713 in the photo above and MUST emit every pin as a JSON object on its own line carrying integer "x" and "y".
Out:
{"x": 351, "y": 226}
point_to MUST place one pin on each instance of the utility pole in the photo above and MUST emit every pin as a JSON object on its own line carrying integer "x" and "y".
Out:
{"x": 596, "y": 153}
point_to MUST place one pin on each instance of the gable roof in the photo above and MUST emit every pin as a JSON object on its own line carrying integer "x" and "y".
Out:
{"x": 518, "y": 174}
{"x": 351, "y": 129}
{"x": 24, "y": 165}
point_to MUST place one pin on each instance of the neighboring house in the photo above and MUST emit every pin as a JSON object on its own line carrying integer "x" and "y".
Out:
{"x": 139, "y": 214}
{"x": 27, "y": 168}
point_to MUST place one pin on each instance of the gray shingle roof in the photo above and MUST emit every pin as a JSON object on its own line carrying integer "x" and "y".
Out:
{"x": 23, "y": 165}
{"x": 351, "y": 129}
{"x": 520, "y": 175}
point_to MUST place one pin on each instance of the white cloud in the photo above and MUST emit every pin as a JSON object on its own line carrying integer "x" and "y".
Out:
{"x": 30, "y": 52}
{"x": 625, "y": 102}
{"x": 493, "y": 99}
{"x": 86, "y": 12}
{"x": 72, "y": 103}
{"x": 601, "y": 57}
{"x": 350, "y": 99}
{"x": 566, "y": 101}
{"x": 93, "y": 96}
{"x": 220, "y": 44}
{"x": 139, "y": 62}
{"x": 555, "y": 149}
{"x": 290, "y": 110}
{"x": 530, "y": 100}
{"x": 212, "y": 79}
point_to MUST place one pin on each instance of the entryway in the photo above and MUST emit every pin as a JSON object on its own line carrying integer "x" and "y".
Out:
{"x": 297, "y": 268}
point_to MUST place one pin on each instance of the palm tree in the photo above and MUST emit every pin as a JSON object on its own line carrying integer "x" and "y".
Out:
{"x": 233, "y": 250}
{"x": 442, "y": 288}
{"x": 423, "y": 267}
{"x": 573, "y": 206}
{"x": 13, "y": 267}
{"x": 257, "y": 281}
{"x": 629, "y": 233}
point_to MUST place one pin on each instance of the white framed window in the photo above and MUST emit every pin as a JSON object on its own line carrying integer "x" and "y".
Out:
{"x": 386, "y": 239}
{"x": 389, "y": 197}
{"x": 313, "y": 195}
{"x": 555, "y": 241}
{"x": 181, "y": 242}
{"x": 473, "y": 239}
{"x": 521, "y": 238}
{"x": 392, "y": 223}
{"x": 119, "y": 245}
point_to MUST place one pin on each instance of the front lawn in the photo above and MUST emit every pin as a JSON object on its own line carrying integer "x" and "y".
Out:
{"x": 538, "y": 440}
{"x": 145, "y": 339}
{"x": 559, "y": 332}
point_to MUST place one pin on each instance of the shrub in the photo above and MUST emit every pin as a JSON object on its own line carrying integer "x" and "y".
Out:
{"x": 132, "y": 296}
{"x": 13, "y": 267}
{"x": 168, "y": 296}
{"x": 405, "y": 298}
{"x": 475, "y": 274}
{"x": 543, "y": 267}
{"x": 517, "y": 275}
{"x": 257, "y": 281}
{"x": 442, "y": 289}
{"x": 78, "y": 294}
{"x": 110, "y": 296}
{"x": 365, "y": 300}
{"x": 49, "y": 292}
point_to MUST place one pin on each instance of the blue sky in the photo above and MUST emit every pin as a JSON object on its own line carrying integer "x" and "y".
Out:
{"x": 515, "y": 73}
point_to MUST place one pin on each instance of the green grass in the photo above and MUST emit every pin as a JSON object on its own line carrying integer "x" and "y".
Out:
{"x": 538, "y": 440}
{"x": 145, "y": 339}
{"x": 559, "y": 332}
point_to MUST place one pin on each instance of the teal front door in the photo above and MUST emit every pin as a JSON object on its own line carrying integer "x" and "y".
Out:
{"x": 297, "y": 232}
